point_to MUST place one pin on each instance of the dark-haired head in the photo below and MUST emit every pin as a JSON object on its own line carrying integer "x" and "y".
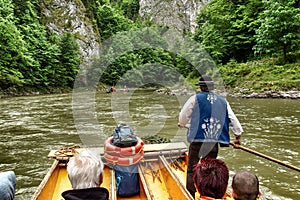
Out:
{"x": 211, "y": 177}
{"x": 206, "y": 83}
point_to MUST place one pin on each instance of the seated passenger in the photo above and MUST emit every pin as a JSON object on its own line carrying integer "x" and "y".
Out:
{"x": 7, "y": 185}
{"x": 245, "y": 186}
{"x": 85, "y": 172}
{"x": 211, "y": 178}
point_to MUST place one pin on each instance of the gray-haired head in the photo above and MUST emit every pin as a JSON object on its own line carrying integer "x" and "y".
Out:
{"x": 85, "y": 170}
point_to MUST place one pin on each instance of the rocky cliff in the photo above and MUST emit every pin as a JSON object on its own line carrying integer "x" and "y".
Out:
{"x": 178, "y": 14}
{"x": 69, "y": 16}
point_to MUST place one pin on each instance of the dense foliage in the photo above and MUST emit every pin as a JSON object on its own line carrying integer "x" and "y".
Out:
{"x": 140, "y": 58}
{"x": 279, "y": 29}
{"x": 260, "y": 76}
{"x": 29, "y": 56}
{"x": 257, "y": 42}
{"x": 236, "y": 33}
{"x": 241, "y": 30}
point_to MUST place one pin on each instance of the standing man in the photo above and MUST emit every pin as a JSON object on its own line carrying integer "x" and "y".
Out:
{"x": 208, "y": 117}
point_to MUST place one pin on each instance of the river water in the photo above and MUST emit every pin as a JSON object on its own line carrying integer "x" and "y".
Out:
{"x": 31, "y": 126}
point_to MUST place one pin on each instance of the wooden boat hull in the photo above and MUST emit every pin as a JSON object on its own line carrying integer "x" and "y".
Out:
{"x": 161, "y": 175}
{"x": 160, "y": 181}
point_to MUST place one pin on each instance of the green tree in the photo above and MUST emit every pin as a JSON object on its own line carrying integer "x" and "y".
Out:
{"x": 125, "y": 55}
{"x": 226, "y": 29}
{"x": 69, "y": 60}
{"x": 56, "y": 59}
{"x": 111, "y": 21}
{"x": 45, "y": 54}
{"x": 279, "y": 29}
{"x": 14, "y": 56}
{"x": 130, "y": 8}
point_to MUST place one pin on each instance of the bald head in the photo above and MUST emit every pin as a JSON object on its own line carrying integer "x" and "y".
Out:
{"x": 245, "y": 186}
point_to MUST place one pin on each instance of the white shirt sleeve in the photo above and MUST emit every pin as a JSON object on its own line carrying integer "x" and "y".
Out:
{"x": 186, "y": 112}
{"x": 235, "y": 125}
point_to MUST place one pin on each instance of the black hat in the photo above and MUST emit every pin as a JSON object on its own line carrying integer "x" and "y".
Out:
{"x": 205, "y": 81}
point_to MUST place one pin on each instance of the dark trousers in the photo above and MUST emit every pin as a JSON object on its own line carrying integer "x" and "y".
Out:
{"x": 197, "y": 151}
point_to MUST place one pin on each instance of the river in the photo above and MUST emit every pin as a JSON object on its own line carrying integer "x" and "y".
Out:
{"x": 31, "y": 126}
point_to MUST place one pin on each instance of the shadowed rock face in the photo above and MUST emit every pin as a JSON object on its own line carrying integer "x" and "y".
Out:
{"x": 69, "y": 16}
{"x": 178, "y": 14}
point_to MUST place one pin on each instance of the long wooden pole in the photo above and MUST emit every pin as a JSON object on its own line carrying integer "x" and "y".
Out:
{"x": 265, "y": 156}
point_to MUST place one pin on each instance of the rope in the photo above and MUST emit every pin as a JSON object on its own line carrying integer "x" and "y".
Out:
{"x": 67, "y": 151}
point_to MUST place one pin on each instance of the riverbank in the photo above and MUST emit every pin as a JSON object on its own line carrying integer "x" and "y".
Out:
{"x": 29, "y": 91}
{"x": 240, "y": 93}
{"x": 235, "y": 93}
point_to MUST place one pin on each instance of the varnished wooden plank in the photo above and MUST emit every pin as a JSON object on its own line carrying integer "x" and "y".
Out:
{"x": 147, "y": 148}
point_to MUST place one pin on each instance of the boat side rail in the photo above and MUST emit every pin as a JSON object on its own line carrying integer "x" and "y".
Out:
{"x": 145, "y": 183}
{"x": 45, "y": 181}
{"x": 150, "y": 150}
{"x": 113, "y": 192}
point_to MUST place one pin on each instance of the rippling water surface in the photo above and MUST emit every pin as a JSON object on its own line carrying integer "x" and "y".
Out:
{"x": 31, "y": 126}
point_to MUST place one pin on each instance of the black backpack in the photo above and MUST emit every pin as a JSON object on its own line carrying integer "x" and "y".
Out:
{"x": 123, "y": 136}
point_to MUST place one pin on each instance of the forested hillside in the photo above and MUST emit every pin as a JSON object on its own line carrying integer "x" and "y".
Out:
{"x": 31, "y": 58}
{"x": 255, "y": 44}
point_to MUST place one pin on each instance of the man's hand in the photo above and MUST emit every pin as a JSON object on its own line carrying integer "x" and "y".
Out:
{"x": 237, "y": 140}
{"x": 183, "y": 126}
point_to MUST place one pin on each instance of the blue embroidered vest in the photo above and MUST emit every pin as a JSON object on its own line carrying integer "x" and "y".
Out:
{"x": 209, "y": 120}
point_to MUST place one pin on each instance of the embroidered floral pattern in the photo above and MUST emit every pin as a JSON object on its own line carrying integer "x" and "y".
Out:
{"x": 211, "y": 127}
{"x": 212, "y": 98}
